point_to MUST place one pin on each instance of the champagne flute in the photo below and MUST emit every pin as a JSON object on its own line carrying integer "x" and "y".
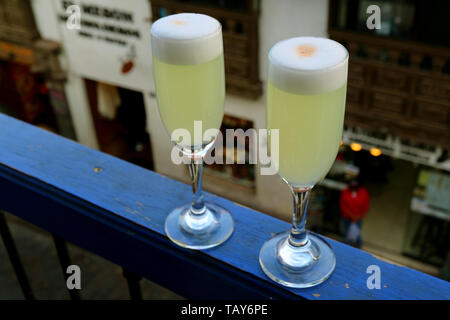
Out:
{"x": 306, "y": 91}
{"x": 188, "y": 68}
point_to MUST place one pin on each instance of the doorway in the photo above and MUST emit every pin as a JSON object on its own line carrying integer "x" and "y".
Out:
{"x": 120, "y": 122}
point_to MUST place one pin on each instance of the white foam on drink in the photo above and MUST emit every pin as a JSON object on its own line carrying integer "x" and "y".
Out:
{"x": 186, "y": 38}
{"x": 308, "y": 65}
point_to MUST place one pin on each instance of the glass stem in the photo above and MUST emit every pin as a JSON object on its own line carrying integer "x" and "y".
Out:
{"x": 298, "y": 236}
{"x": 196, "y": 170}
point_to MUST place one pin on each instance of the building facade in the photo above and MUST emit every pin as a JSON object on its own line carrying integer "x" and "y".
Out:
{"x": 397, "y": 102}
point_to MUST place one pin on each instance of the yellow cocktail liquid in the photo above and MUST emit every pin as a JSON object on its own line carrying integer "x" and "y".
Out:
{"x": 188, "y": 93}
{"x": 310, "y": 129}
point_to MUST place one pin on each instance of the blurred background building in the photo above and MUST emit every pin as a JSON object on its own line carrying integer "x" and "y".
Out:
{"x": 95, "y": 85}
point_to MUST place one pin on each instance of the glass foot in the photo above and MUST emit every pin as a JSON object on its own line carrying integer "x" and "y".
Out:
{"x": 297, "y": 267}
{"x": 203, "y": 231}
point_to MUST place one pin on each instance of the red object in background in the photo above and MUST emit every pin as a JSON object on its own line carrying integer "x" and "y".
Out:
{"x": 127, "y": 66}
{"x": 354, "y": 203}
{"x": 43, "y": 89}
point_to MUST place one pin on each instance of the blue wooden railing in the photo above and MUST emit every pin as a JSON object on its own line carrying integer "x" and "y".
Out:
{"x": 117, "y": 210}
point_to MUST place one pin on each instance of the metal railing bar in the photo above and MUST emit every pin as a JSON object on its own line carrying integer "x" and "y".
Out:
{"x": 134, "y": 285}
{"x": 64, "y": 261}
{"x": 15, "y": 258}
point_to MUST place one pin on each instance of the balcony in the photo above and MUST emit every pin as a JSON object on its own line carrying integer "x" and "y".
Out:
{"x": 399, "y": 88}
{"x": 117, "y": 210}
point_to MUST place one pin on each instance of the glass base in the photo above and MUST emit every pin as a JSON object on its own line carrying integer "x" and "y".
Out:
{"x": 203, "y": 231}
{"x": 297, "y": 267}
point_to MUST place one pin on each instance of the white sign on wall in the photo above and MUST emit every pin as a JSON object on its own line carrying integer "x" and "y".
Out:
{"x": 112, "y": 43}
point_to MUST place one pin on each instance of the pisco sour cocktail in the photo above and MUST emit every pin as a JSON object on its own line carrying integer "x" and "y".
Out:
{"x": 306, "y": 90}
{"x": 188, "y": 69}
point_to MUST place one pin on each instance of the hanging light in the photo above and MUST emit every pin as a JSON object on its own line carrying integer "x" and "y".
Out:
{"x": 355, "y": 146}
{"x": 375, "y": 152}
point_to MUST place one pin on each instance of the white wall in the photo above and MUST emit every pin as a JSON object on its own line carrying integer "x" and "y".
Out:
{"x": 281, "y": 19}
{"x": 46, "y": 20}
{"x": 47, "y": 24}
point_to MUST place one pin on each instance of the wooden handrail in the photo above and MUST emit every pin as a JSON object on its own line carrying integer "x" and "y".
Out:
{"x": 388, "y": 43}
{"x": 117, "y": 210}
{"x": 240, "y": 44}
{"x": 400, "y": 86}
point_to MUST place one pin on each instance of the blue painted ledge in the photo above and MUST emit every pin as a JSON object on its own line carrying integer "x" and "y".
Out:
{"x": 119, "y": 214}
